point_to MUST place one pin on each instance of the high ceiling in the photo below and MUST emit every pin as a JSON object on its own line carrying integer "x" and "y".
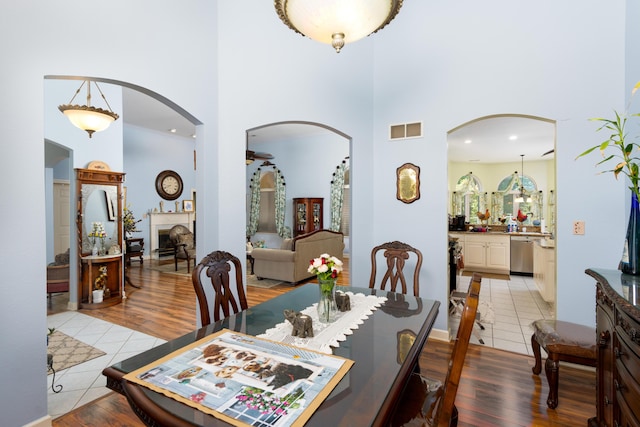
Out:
{"x": 489, "y": 137}
{"x": 490, "y": 140}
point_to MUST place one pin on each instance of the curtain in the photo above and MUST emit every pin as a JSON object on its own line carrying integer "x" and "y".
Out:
{"x": 254, "y": 203}
{"x": 336, "y": 194}
{"x": 280, "y": 203}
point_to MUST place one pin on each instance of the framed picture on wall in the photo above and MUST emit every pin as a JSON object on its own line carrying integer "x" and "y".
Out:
{"x": 187, "y": 205}
{"x": 111, "y": 211}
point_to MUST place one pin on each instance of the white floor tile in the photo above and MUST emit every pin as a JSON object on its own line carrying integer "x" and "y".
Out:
{"x": 83, "y": 383}
{"x": 516, "y": 303}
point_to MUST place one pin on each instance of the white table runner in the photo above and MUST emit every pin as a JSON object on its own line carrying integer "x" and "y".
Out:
{"x": 328, "y": 335}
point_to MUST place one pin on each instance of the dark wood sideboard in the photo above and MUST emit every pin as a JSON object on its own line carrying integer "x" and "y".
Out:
{"x": 618, "y": 350}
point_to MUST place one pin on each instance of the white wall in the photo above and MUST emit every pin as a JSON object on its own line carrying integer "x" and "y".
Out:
{"x": 476, "y": 59}
{"x": 146, "y": 154}
{"x": 307, "y": 164}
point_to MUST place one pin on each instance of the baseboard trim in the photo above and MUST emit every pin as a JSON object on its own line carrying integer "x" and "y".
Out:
{"x": 439, "y": 334}
{"x": 42, "y": 422}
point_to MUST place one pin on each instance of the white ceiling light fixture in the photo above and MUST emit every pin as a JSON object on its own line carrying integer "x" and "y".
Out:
{"x": 337, "y": 22}
{"x": 86, "y": 117}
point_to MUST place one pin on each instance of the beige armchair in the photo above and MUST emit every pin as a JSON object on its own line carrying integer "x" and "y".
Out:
{"x": 291, "y": 262}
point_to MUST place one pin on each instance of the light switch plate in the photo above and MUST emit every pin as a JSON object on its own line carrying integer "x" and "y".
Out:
{"x": 578, "y": 227}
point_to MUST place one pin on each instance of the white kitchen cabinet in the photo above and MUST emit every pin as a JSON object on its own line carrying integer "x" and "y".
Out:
{"x": 486, "y": 252}
{"x": 544, "y": 270}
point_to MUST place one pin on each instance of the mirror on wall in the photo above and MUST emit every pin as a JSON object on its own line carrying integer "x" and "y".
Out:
{"x": 99, "y": 205}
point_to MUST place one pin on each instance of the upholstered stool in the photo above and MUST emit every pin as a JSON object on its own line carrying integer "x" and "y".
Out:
{"x": 563, "y": 342}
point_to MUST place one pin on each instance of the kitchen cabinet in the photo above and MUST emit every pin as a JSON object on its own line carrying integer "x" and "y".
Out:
{"x": 544, "y": 270}
{"x": 307, "y": 215}
{"x": 484, "y": 252}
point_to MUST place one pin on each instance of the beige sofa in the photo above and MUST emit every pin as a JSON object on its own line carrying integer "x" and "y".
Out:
{"x": 291, "y": 264}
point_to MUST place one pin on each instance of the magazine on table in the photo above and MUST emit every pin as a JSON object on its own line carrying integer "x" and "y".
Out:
{"x": 245, "y": 380}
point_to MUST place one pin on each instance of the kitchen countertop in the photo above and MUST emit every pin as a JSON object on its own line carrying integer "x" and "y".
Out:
{"x": 504, "y": 233}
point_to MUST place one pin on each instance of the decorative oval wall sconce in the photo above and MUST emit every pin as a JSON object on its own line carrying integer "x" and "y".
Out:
{"x": 408, "y": 183}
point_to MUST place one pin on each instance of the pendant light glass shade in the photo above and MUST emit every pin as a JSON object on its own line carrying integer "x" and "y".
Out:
{"x": 522, "y": 195}
{"x": 337, "y": 22}
{"x": 86, "y": 117}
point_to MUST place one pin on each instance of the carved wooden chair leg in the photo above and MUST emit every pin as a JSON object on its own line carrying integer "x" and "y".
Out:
{"x": 535, "y": 346}
{"x": 551, "y": 367}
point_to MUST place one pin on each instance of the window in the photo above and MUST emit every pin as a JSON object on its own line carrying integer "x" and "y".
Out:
{"x": 467, "y": 198}
{"x": 267, "y": 218}
{"x": 510, "y": 188}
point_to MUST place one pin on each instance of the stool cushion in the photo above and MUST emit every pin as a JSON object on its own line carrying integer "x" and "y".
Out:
{"x": 568, "y": 338}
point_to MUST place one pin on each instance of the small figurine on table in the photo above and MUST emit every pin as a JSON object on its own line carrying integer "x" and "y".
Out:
{"x": 342, "y": 301}
{"x": 302, "y": 324}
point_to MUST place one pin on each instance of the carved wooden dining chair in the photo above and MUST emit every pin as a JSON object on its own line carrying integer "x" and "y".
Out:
{"x": 396, "y": 254}
{"x": 149, "y": 412}
{"x": 217, "y": 266}
{"x": 429, "y": 402}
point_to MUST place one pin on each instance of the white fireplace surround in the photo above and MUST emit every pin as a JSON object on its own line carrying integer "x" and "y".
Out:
{"x": 164, "y": 221}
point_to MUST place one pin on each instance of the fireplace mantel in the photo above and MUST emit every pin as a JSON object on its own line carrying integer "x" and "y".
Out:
{"x": 164, "y": 221}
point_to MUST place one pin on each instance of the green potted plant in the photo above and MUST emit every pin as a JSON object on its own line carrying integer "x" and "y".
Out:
{"x": 626, "y": 159}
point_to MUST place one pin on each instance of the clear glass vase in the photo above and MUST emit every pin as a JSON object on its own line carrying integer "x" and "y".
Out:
{"x": 327, "y": 308}
{"x": 630, "y": 262}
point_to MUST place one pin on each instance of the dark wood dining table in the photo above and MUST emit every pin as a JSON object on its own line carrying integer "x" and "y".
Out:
{"x": 385, "y": 348}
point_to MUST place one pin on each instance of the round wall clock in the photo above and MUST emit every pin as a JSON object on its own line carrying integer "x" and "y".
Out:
{"x": 169, "y": 185}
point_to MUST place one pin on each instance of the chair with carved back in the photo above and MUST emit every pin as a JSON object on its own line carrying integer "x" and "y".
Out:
{"x": 184, "y": 246}
{"x": 217, "y": 267}
{"x": 429, "y": 402}
{"x": 396, "y": 254}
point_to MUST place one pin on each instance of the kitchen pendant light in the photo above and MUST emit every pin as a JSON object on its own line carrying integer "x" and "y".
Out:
{"x": 86, "y": 117}
{"x": 522, "y": 194}
{"x": 337, "y": 22}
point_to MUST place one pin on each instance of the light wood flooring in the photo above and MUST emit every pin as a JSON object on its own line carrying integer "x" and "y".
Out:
{"x": 497, "y": 387}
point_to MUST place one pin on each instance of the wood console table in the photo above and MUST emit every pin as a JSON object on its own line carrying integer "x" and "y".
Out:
{"x": 90, "y": 270}
{"x": 618, "y": 350}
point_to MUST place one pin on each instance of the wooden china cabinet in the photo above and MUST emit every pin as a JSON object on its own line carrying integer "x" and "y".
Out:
{"x": 307, "y": 215}
{"x": 99, "y": 200}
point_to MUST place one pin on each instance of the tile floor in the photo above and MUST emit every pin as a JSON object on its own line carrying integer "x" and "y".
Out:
{"x": 516, "y": 303}
{"x": 84, "y": 382}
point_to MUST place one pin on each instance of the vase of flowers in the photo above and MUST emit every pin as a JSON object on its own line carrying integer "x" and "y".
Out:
{"x": 326, "y": 268}
{"x": 627, "y": 163}
{"x": 97, "y": 232}
{"x": 129, "y": 222}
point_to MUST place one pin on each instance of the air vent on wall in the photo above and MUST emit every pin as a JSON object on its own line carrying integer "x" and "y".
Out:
{"x": 405, "y": 131}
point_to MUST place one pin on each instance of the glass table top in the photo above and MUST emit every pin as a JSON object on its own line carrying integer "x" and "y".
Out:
{"x": 381, "y": 348}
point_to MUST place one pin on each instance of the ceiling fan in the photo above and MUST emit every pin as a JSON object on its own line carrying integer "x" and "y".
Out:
{"x": 255, "y": 155}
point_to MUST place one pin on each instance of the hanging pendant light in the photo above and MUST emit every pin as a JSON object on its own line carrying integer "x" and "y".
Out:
{"x": 337, "y": 22}
{"x": 86, "y": 117}
{"x": 522, "y": 195}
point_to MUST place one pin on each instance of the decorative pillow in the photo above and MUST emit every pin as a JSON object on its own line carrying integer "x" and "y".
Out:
{"x": 259, "y": 244}
{"x": 287, "y": 244}
{"x": 62, "y": 259}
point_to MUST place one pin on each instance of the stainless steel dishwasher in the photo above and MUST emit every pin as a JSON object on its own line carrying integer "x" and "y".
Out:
{"x": 522, "y": 255}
